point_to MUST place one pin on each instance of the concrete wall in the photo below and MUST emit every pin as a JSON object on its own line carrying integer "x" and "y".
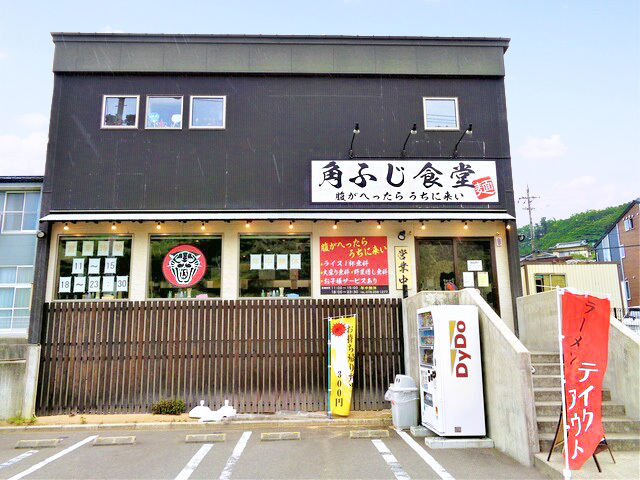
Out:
{"x": 538, "y": 321}
{"x": 18, "y": 379}
{"x": 538, "y": 318}
{"x": 506, "y": 364}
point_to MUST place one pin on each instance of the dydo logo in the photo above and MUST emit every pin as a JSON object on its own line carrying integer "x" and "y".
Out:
{"x": 184, "y": 266}
{"x": 458, "y": 345}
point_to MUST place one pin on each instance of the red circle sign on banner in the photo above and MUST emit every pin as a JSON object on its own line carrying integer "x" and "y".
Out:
{"x": 184, "y": 266}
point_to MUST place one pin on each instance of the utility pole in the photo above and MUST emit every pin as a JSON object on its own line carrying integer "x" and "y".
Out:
{"x": 527, "y": 200}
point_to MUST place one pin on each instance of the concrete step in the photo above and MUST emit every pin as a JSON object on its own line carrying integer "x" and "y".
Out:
{"x": 541, "y": 357}
{"x": 552, "y": 409}
{"x": 540, "y": 381}
{"x": 623, "y": 442}
{"x": 546, "y": 368}
{"x": 551, "y": 394}
{"x": 615, "y": 424}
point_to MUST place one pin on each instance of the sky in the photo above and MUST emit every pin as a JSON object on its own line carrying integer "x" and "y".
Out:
{"x": 572, "y": 74}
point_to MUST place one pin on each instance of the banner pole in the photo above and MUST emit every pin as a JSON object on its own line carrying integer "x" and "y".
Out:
{"x": 329, "y": 367}
{"x": 566, "y": 472}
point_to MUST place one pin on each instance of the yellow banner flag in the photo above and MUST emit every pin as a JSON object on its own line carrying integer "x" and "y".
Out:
{"x": 342, "y": 363}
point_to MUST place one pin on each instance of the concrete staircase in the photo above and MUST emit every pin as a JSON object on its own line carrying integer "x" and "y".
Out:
{"x": 622, "y": 432}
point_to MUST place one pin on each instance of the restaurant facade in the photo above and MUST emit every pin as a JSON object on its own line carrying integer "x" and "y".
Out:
{"x": 210, "y": 200}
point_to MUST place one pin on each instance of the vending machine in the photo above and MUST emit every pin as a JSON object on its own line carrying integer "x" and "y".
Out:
{"x": 451, "y": 396}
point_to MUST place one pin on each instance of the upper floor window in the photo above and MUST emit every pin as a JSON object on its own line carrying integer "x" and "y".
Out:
{"x": 441, "y": 113}
{"x": 164, "y": 112}
{"x": 628, "y": 224}
{"x": 120, "y": 111}
{"x": 208, "y": 112}
{"x": 20, "y": 212}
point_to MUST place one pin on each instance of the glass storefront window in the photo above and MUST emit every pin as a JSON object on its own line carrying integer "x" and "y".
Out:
{"x": 93, "y": 267}
{"x": 275, "y": 266}
{"x": 185, "y": 266}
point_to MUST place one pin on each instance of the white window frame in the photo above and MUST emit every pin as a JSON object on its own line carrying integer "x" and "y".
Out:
{"x": 224, "y": 113}
{"x": 424, "y": 111}
{"x": 146, "y": 115}
{"x": 17, "y": 286}
{"x": 3, "y": 213}
{"x": 622, "y": 253}
{"x": 119, "y": 127}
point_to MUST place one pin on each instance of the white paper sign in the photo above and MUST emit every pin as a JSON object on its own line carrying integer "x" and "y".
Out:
{"x": 467, "y": 280}
{"x": 282, "y": 262}
{"x": 103, "y": 248}
{"x": 256, "y": 261}
{"x": 94, "y": 266}
{"x": 71, "y": 248}
{"x": 87, "y": 248}
{"x": 295, "y": 261}
{"x": 65, "y": 285}
{"x": 110, "y": 265}
{"x": 474, "y": 265}
{"x": 78, "y": 266}
{"x": 94, "y": 284}
{"x": 79, "y": 284}
{"x": 118, "y": 248}
{"x": 122, "y": 283}
{"x": 269, "y": 261}
{"x": 107, "y": 284}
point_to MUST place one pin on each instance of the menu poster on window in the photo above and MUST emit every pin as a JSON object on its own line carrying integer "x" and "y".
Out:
{"x": 94, "y": 284}
{"x": 87, "y": 248}
{"x": 79, "y": 284}
{"x": 269, "y": 261}
{"x": 78, "y": 266}
{"x": 65, "y": 285}
{"x": 103, "y": 248}
{"x": 110, "y": 265}
{"x": 255, "y": 261}
{"x": 94, "y": 266}
{"x": 71, "y": 248}
{"x": 474, "y": 265}
{"x": 483, "y": 279}
{"x": 282, "y": 262}
{"x": 122, "y": 283}
{"x": 354, "y": 265}
{"x": 295, "y": 261}
{"x": 468, "y": 280}
{"x": 107, "y": 284}
{"x": 118, "y": 248}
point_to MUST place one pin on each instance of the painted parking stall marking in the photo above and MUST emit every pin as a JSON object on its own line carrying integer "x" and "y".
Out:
{"x": 435, "y": 466}
{"x": 235, "y": 455}
{"x": 15, "y": 460}
{"x": 388, "y": 457}
{"x": 194, "y": 462}
{"x": 53, "y": 458}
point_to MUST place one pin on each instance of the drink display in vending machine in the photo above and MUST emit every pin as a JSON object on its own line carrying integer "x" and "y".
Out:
{"x": 451, "y": 395}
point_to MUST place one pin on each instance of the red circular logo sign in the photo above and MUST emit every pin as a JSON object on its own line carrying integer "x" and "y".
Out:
{"x": 184, "y": 266}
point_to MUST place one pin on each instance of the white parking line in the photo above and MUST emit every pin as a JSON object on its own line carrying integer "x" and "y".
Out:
{"x": 194, "y": 462}
{"x": 237, "y": 451}
{"x": 8, "y": 463}
{"x": 52, "y": 458}
{"x": 435, "y": 466}
{"x": 388, "y": 457}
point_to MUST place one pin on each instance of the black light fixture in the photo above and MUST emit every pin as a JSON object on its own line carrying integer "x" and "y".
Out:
{"x": 413, "y": 131}
{"x": 335, "y": 225}
{"x": 356, "y": 131}
{"x": 379, "y": 226}
{"x": 247, "y": 224}
{"x": 468, "y": 131}
{"x": 402, "y": 235}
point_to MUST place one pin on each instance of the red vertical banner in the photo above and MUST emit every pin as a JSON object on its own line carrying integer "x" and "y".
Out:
{"x": 585, "y": 330}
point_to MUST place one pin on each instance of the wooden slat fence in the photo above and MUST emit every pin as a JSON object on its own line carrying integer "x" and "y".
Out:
{"x": 261, "y": 355}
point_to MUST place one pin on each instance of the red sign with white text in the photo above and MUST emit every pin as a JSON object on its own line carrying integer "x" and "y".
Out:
{"x": 354, "y": 265}
{"x": 585, "y": 327}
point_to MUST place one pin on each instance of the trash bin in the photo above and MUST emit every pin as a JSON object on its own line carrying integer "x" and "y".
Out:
{"x": 405, "y": 399}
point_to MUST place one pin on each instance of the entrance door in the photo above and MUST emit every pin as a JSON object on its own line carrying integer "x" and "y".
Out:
{"x": 453, "y": 263}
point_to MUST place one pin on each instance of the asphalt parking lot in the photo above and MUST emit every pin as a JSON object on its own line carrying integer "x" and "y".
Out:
{"x": 321, "y": 452}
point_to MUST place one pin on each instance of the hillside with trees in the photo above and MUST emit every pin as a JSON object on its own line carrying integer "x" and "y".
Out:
{"x": 589, "y": 226}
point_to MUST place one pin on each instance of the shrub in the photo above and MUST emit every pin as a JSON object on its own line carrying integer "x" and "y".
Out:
{"x": 168, "y": 407}
{"x": 22, "y": 421}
